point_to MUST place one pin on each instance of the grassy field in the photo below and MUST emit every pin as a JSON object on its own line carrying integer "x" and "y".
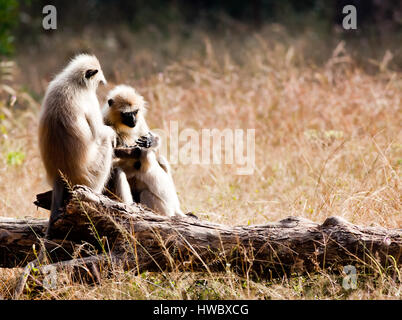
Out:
{"x": 327, "y": 116}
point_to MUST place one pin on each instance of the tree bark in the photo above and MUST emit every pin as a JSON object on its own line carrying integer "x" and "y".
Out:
{"x": 142, "y": 240}
{"x": 17, "y": 236}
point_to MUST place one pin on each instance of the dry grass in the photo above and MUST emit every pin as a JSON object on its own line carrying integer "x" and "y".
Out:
{"x": 328, "y": 142}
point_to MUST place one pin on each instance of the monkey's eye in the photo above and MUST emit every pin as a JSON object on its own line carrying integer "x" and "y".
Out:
{"x": 110, "y": 102}
{"x": 90, "y": 73}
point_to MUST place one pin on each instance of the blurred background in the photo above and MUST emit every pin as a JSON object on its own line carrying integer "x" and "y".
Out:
{"x": 325, "y": 103}
{"x": 177, "y": 25}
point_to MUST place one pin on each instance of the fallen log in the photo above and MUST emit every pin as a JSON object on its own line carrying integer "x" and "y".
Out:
{"x": 144, "y": 240}
{"x": 22, "y": 239}
{"x": 17, "y": 237}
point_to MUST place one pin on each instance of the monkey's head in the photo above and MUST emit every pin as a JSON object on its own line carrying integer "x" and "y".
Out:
{"x": 125, "y": 110}
{"x": 85, "y": 71}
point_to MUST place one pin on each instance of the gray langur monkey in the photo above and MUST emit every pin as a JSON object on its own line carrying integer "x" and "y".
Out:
{"x": 73, "y": 139}
{"x": 149, "y": 175}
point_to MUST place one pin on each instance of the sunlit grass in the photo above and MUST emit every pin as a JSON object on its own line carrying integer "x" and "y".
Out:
{"x": 328, "y": 142}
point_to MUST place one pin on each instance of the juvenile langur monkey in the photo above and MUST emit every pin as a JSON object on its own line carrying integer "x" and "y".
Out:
{"x": 149, "y": 176}
{"x": 73, "y": 139}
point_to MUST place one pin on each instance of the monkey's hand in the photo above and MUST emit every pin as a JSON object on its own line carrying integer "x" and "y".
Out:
{"x": 148, "y": 141}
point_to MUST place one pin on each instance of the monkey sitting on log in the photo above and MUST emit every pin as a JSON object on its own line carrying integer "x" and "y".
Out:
{"x": 148, "y": 174}
{"x": 74, "y": 143}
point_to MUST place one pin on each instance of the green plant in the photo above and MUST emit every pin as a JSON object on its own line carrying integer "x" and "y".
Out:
{"x": 15, "y": 158}
{"x": 8, "y": 18}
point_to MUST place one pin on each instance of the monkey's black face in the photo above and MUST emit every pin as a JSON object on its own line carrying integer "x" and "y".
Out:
{"x": 129, "y": 118}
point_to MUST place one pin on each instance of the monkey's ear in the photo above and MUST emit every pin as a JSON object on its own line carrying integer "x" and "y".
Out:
{"x": 110, "y": 102}
{"x": 90, "y": 73}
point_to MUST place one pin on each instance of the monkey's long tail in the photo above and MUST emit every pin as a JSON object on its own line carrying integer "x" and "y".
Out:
{"x": 58, "y": 195}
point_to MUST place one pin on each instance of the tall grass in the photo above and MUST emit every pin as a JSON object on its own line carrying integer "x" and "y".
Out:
{"x": 327, "y": 115}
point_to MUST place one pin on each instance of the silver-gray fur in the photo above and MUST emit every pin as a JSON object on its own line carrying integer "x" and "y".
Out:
{"x": 73, "y": 139}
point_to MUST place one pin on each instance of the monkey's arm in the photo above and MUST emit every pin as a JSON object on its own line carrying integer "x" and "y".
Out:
{"x": 92, "y": 126}
{"x": 164, "y": 164}
{"x": 101, "y": 131}
{"x": 153, "y": 141}
{"x": 128, "y": 152}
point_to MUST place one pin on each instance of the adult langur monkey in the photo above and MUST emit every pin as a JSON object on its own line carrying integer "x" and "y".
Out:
{"x": 73, "y": 139}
